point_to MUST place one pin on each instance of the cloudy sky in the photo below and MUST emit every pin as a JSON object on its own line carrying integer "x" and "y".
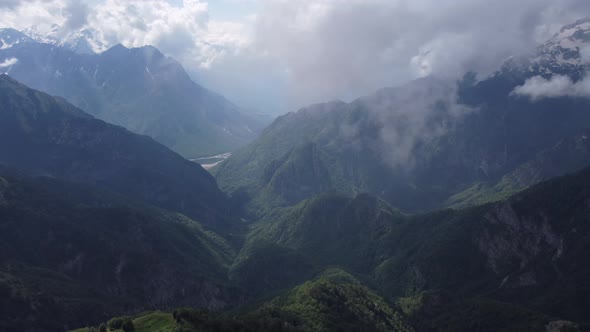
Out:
{"x": 278, "y": 55}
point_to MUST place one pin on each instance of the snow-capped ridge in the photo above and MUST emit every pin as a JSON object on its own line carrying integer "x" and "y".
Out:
{"x": 81, "y": 41}
{"x": 565, "y": 47}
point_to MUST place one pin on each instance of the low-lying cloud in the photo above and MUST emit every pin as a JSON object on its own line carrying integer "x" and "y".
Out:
{"x": 538, "y": 87}
{"x": 8, "y": 62}
{"x": 413, "y": 115}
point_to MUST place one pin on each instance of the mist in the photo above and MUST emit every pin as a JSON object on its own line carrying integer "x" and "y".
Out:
{"x": 538, "y": 88}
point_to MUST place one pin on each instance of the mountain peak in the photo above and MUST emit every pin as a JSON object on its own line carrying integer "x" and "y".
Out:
{"x": 10, "y": 37}
{"x": 566, "y": 46}
{"x": 566, "y": 53}
{"x": 46, "y": 37}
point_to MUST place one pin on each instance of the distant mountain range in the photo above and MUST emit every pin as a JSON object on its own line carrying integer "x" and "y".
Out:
{"x": 46, "y": 136}
{"x": 139, "y": 89}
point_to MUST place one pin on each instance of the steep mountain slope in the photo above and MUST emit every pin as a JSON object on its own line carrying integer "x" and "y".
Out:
{"x": 47, "y": 136}
{"x": 72, "y": 255}
{"x": 333, "y": 301}
{"x": 139, "y": 89}
{"x": 528, "y": 250}
{"x": 418, "y": 145}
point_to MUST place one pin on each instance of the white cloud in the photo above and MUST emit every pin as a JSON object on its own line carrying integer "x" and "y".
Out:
{"x": 8, "y": 62}
{"x": 538, "y": 88}
{"x": 342, "y": 49}
{"x": 24, "y": 13}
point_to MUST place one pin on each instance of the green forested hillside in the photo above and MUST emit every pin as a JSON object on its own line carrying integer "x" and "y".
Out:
{"x": 43, "y": 135}
{"x": 413, "y": 146}
{"x": 527, "y": 250}
{"x": 333, "y": 301}
{"x": 70, "y": 255}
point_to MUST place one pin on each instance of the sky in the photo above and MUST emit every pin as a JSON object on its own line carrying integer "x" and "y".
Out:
{"x": 276, "y": 56}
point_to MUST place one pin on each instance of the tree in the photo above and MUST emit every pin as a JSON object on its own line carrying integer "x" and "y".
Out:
{"x": 115, "y": 323}
{"x": 102, "y": 327}
{"x": 128, "y": 326}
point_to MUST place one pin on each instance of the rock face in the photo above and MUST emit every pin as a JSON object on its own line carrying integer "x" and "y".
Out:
{"x": 46, "y": 136}
{"x": 139, "y": 89}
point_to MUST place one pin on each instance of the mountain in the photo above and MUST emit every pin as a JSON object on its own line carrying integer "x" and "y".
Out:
{"x": 564, "y": 52}
{"x": 139, "y": 89}
{"x": 71, "y": 255}
{"x": 421, "y": 145}
{"x": 47, "y": 136}
{"x": 522, "y": 258}
{"x": 333, "y": 301}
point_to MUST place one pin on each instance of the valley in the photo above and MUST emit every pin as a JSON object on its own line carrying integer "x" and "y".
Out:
{"x": 209, "y": 162}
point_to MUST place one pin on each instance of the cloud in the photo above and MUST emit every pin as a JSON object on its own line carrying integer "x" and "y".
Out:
{"x": 24, "y": 13}
{"x": 178, "y": 30}
{"x": 8, "y": 3}
{"x": 537, "y": 88}
{"x": 341, "y": 49}
{"x": 412, "y": 115}
{"x": 8, "y": 62}
{"x": 76, "y": 15}
{"x": 181, "y": 29}
{"x": 11, "y": 4}
{"x": 585, "y": 53}
{"x": 293, "y": 53}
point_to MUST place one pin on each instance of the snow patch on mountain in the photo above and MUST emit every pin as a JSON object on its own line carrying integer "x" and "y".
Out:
{"x": 82, "y": 41}
{"x": 565, "y": 48}
{"x": 10, "y": 37}
{"x": 45, "y": 36}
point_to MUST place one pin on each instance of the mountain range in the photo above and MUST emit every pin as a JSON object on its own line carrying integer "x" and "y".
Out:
{"x": 140, "y": 89}
{"x": 46, "y": 136}
{"x": 432, "y": 140}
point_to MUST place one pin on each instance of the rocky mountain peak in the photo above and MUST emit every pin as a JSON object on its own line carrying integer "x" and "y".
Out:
{"x": 569, "y": 48}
